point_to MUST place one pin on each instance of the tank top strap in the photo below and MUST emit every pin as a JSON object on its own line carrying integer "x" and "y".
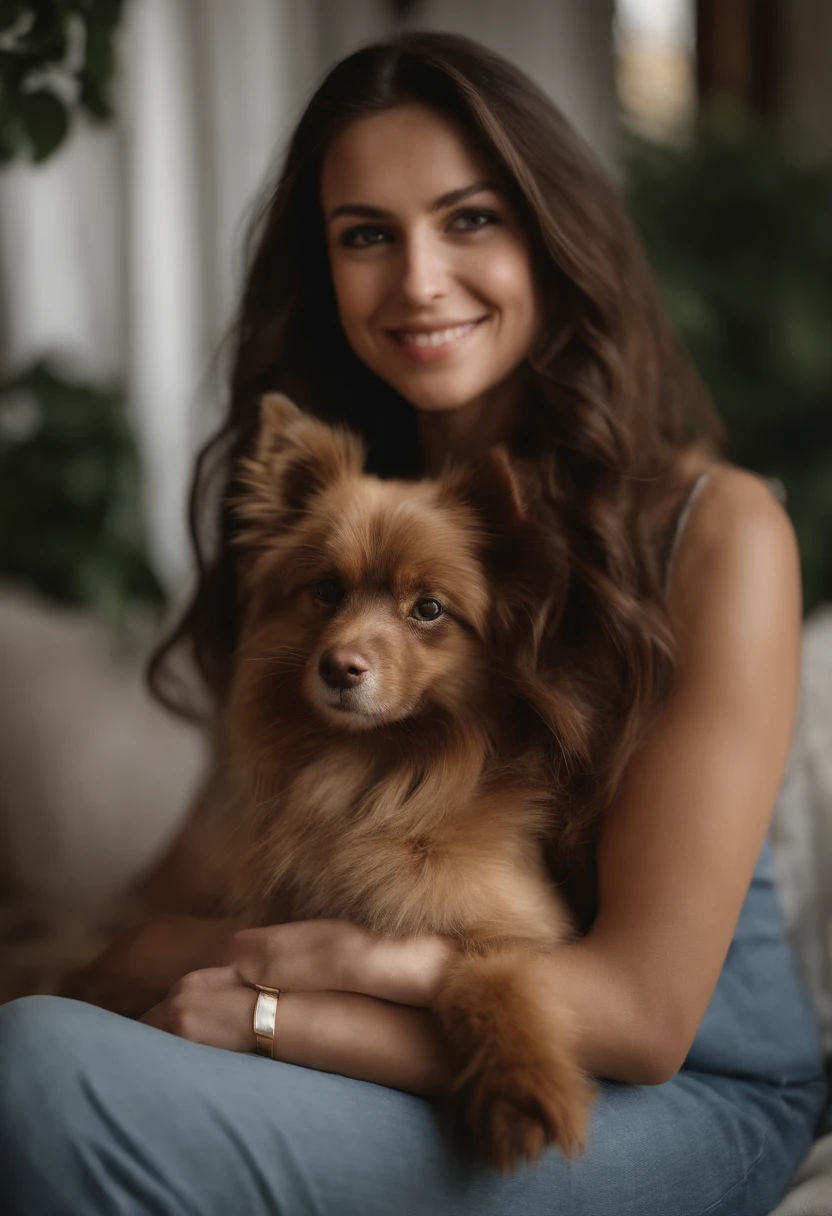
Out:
{"x": 774, "y": 484}
{"x": 681, "y": 521}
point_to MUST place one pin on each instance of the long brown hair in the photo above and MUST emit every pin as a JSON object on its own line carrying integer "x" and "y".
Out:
{"x": 618, "y": 424}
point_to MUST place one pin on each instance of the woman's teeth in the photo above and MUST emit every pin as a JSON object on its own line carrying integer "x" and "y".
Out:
{"x": 439, "y": 336}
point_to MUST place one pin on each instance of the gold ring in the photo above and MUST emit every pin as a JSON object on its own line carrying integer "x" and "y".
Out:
{"x": 265, "y": 1018}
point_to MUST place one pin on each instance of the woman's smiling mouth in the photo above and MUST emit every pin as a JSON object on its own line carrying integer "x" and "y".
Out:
{"x": 426, "y": 345}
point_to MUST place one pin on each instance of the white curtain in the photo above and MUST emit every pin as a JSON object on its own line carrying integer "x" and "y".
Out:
{"x": 210, "y": 90}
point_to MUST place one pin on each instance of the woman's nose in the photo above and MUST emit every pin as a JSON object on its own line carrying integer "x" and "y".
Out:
{"x": 425, "y": 271}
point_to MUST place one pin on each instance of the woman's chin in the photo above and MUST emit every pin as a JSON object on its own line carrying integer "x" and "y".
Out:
{"x": 437, "y": 399}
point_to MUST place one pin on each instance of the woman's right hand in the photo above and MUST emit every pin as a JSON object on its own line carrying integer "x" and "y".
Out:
{"x": 137, "y": 970}
{"x": 329, "y": 955}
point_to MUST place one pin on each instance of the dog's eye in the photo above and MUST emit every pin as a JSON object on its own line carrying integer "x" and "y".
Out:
{"x": 329, "y": 590}
{"x": 427, "y": 610}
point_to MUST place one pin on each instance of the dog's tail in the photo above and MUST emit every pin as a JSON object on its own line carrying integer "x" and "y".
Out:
{"x": 516, "y": 1085}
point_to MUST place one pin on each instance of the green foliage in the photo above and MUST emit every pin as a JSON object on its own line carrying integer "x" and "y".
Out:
{"x": 55, "y": 56}
{"x": 70, "y": 495}
{"x": 738, "y": 227}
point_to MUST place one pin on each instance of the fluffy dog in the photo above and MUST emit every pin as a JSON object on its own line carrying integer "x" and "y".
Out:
{"x": 377, "y": 734}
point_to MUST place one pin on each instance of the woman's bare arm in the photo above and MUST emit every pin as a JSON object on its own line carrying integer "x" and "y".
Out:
{"x": 677, "y": 854}
{"x": 400, "y": 1046}
{"x": 362, "y": 1037}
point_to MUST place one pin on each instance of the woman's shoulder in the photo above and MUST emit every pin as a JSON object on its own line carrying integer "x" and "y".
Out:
{"x": 737, "y": 532}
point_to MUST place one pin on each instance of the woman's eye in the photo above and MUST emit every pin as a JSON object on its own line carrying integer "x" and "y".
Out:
{"x": 474, "y": 220}
{"x": 362, "y": 237}
{"x": 427, "y": 610}
{"x": 329, "y": 590}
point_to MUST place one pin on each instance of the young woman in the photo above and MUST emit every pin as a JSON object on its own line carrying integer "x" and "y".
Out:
{"x": 442, "y": 266}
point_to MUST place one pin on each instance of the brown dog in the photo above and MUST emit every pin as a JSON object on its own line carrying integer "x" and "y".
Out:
{"x": 376, "y": 737}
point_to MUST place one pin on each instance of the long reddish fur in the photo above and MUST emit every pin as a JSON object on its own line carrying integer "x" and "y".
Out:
{"x": 431, "y": 824}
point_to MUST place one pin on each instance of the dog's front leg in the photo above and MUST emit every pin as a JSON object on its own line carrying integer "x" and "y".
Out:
{"x": 517, "y": 1086}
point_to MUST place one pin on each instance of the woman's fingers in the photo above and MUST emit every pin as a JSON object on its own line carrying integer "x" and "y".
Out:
{"x": 210, "y": 1007}
{"x": 408, "y": 971}
{"x": 336, "y": 955}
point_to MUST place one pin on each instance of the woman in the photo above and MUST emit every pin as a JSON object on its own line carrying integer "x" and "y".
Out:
{"x": 442, "y": 266}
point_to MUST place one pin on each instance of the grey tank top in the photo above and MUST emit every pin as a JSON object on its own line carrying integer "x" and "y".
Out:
{"x": 681, "y": 521}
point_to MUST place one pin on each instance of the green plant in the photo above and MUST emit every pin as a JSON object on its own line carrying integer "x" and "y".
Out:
{"x": 69, "y": 495}
{"x": 69, "y": 473}
{"x": 56, "y": 56}
{"x": 737, "y": 227}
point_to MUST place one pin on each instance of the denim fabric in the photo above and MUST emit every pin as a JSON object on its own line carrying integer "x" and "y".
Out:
{"x": 102, "y": 1115}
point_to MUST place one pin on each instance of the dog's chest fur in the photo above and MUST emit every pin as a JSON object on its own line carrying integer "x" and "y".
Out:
{"x": 392, "y": 855}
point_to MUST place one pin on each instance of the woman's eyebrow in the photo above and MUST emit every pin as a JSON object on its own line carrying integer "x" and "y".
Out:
{"x": 444, "y": 200}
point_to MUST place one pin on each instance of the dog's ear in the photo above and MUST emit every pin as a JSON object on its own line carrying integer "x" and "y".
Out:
{"x": 295, "y": 457}
{"x": 277, "y": 414}
{"x": 490, "y": 485}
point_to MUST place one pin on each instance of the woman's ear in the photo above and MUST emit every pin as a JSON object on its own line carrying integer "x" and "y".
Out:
{"x": 295, "y": 457}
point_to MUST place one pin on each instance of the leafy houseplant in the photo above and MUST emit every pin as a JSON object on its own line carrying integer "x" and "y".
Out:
{"x": 69, "y": 495}
{"x": 737, "y": 227}
{"x": 55, "y": 56}
{"x": 70, "y": 507}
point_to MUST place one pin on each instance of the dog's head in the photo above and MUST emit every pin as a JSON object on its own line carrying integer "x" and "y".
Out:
{"x": 370, "y": 601}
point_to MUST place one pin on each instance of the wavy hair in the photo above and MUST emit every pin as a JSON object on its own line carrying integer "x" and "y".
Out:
{"x": 615, "y": 419}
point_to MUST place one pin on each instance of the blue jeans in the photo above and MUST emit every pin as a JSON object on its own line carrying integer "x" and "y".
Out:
{"x": 103, "y": 1115}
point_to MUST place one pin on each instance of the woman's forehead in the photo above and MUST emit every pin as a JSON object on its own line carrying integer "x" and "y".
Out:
{"x": 410, "y": 154}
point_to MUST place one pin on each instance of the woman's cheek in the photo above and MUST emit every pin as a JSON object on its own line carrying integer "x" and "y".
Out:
{"x": 358, "y": 292}
{"x": 505, "y": 279}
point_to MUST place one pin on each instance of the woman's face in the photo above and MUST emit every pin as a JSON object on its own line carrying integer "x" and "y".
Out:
{"x": 431, "y": 267}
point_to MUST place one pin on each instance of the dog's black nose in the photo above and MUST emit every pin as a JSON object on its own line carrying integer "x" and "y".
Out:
{"x": 341, "y": 667}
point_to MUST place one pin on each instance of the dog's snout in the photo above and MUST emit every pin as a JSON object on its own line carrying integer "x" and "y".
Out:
{"x": 342, "y": 667}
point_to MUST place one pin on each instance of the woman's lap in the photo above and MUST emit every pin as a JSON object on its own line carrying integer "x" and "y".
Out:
{"x": 103, "y": 1115}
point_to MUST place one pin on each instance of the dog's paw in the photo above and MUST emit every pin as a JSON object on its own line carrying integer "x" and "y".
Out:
{"x": 517, "y": 1085}
{"x": 514, "y": 1113}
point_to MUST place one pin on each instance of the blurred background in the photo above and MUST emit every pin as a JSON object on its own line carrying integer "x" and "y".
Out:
{"x": 135, "y": 136}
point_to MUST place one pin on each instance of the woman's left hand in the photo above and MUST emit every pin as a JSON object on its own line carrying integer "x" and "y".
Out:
{"x": 215, "y": 1006}
{"x": 211, "y": 1006}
